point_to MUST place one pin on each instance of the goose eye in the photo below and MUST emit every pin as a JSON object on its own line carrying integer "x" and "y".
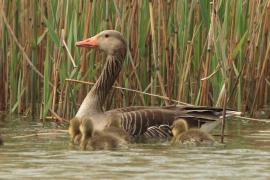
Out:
{"x": 106, "y": 35}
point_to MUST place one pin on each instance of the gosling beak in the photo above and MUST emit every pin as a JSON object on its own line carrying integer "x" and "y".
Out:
{"x": 88, "y": 43}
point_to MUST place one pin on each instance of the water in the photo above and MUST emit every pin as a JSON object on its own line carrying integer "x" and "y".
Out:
{"x": 246, "y": 155}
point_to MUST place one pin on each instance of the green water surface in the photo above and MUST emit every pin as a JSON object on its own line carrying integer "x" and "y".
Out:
{"x": 246, "y": 155}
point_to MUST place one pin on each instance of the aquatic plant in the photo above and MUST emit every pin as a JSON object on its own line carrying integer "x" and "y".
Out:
{"x": 195, "y": 51}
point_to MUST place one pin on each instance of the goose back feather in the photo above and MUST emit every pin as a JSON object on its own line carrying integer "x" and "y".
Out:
{"x": 154, "y": 121}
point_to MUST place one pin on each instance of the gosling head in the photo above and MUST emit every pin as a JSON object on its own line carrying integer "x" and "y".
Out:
{"x": 86, "y": 127}
{"x": 114, "y": 121}
{"x": 87, "y": 131}
{"x": 74, "y": 127}
{"x": 179, "y": 126}
{"x": 110, "y": 41}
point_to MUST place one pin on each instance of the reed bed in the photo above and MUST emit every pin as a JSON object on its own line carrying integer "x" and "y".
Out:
{"x": 200, "y": 52}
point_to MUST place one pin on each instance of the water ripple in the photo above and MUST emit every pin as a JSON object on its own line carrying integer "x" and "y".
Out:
{"x": 243, "y": 157}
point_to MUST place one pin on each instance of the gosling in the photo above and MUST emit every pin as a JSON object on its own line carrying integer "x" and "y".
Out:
{"x": 74, "y": 130}
{"x": 114, "y": 127}
{"x": 183, "y": 135}
{"x": 99, "y": 140}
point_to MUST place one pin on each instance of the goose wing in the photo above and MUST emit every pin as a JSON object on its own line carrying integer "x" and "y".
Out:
{"x": 155, "y": 121}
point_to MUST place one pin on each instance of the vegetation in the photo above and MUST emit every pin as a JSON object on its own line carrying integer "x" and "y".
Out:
{"x": 195, "y": 51}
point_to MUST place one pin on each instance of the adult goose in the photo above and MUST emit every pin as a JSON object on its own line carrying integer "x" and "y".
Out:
{"x": 137, "y": 121}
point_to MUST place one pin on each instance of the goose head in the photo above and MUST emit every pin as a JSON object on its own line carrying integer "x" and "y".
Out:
{"x": 109, "y": 41}
{"x": 179, "y": 126}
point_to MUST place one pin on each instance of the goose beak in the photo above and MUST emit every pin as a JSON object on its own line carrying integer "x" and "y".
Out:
{"x": 88, "y": 43}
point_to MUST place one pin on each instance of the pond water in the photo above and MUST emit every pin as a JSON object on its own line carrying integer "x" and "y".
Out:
{"x": 245, "y": 155}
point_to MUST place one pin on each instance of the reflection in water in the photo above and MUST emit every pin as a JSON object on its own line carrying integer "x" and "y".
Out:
{"x": 245, "y": 155}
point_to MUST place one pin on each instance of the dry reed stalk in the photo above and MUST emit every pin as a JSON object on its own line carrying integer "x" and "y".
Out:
{"x": 61, "y": 99}
{"x": 228, "y": 63}
{"x": 252, "y": 119}
{"x": 2, "y": 69}
{"x": 56, "y": 116}
{"x": 265, "y": 18}
{"x": 136, "y": 76}
{"x": 133, "y": 26}
{"x": 60, "y": 132}
{"x": 65, "y": 102}
{"x": 68, "y": 52}
{"x": 165, "y": 44}
{"x": 205, "y": 85}
{"x": 186, "y": 68}
{"x": 248, "y": 71}
{"x": 156, "y": 60}
{"x": 127, "y": 89}
{"x": 55, "y": 78}
{"x": 253, "y": 69}
{"x": 261, "y": 79}
{"x": 224, "y": 111}
{"x": 133, "y": 52}
{"x": 157, "y": 33}
{"x": 129, "y": 54}
{"x": 21, "y": 48}
{"x": 83, "y": 66}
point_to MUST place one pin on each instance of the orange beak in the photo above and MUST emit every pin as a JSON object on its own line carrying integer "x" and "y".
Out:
{"x": 90, "y": 42}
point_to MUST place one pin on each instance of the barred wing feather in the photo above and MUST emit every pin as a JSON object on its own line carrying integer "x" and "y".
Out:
{"x": 155, "y": 121}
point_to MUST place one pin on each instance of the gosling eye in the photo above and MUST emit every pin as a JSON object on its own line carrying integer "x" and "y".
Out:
{"x": 106, "y": 35}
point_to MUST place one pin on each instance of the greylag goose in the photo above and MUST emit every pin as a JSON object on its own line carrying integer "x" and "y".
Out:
{"x": 137, "y": 121}
{"x": 183, "y": 135}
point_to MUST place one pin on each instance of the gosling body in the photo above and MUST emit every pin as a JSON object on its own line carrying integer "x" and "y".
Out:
{"x": 183, "y": 135}
{"x": 106, "y": 141}
{"x": 114, "y": 127}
